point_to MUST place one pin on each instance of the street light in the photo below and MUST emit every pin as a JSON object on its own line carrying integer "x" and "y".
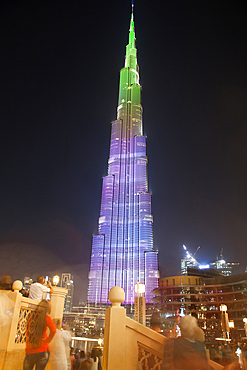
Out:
{"x": 223, "y": 307}
{"x": 140, "y": 306}
{"x": 140, "y": 288}
{"x": 224, "y": 321}
{"x": 55, "y": 280}
{"x": 245, "y": 325}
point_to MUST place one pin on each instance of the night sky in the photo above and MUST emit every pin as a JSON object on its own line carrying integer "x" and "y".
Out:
{"x": 60, "y": 65}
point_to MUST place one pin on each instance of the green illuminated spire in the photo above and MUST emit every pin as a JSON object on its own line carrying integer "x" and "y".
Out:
{"x": 129, "y": 87}
{"x": 131, "y": 47}
{"x": 132, "y": 32}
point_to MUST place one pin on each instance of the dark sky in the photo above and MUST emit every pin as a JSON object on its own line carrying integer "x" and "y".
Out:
{"x": 60, "y": 65}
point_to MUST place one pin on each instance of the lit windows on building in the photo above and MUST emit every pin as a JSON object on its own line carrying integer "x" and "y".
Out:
{"x": 202, "y": 297}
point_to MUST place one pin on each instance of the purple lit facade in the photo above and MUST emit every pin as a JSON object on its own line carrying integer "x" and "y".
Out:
{"x": 122, "y": 251}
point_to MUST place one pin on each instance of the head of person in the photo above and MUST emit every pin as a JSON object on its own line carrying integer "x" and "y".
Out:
{"x": 85, "y": 365}
{"x": 100, "y": 353}
{"x": 44, "y": 306}
{"x": 88, "y": 355}
{"x": 155, "y": 324}
{"x": 82, "y": 354}
{"x": 65, "y": 326}
{"x": 58, "y": 323}
{"x": 199, "y": 335}
{"x": 94, "y": 354}
{"x": 38, "y": 323}
{"x": 188, "y": 326}
{"x": 41, "y": 280}
{"x": 6, "y": 279}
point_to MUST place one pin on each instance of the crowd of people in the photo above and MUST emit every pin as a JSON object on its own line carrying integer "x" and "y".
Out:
{"x": 226, "y": 354}
{"x": 89, "y": 360}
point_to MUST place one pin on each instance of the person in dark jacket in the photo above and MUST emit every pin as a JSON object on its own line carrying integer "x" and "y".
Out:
{"x": 185, "y": 352}
{"x": 79, "y": 360}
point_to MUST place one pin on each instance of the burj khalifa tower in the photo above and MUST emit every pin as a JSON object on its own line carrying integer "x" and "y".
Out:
{"x": 122, "y": 251}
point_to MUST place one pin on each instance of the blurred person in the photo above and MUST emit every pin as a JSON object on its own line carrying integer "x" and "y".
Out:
{"x": 244, "y": 350}
{"x": 235, "y": 365}
{"x": 185, "y": 352}
{"x": 58, "y": 356}
{"x": 37, "y": 340}
{"x": 155, "y": 322}
{"x": 39, "y": 289}
{"x": 86, "y": 365}
{"x": 100, "y": 357}
{"x": 67, "y": 342}
{"x": 227, "y": 355}
{"x": 199, "y": 335}
{"x": 79, "y": 360}
{"x": 95, "y": 359}
{"x": 77, "y": 353}
{"x": 88, "y": 357}
{"x": 72, "y": 359}
{"x": 6, "y": 282}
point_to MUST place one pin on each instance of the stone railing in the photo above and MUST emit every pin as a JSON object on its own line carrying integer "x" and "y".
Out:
{"x": 15, "y": 311}
{"x": 128, "y": 344}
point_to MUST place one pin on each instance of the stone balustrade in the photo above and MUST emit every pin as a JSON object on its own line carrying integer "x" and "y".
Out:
{"x": 129, "y": 344}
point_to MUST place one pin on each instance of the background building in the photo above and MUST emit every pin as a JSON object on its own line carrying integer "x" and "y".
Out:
{"x": 188, "y": 261}
{"x": 220, "y": 264}
{"x": 122, "y": 251}
{"x": 86, "y": 321}
{"x": 201, "y": 295}
{"x": 223, "y": 266}
{"x": 67, "y": 282}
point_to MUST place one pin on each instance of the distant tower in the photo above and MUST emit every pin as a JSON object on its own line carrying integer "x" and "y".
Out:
{"x": 223, "y": 266}
{"x": 122, "y": 251}
{"x": 67, "y": 282}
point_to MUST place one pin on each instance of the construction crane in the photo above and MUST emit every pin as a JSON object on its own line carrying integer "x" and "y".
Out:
{"x": 188, "y": 254}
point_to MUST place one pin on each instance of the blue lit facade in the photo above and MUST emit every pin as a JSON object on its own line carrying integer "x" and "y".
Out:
{"x": 122, "y": 251}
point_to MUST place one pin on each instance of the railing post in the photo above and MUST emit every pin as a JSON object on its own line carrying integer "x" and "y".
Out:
{"x": 57, "y": 302}
{"x": 10, "y": 304}
{"x": 115, "y": 332}
{"x": 15, "y": 299}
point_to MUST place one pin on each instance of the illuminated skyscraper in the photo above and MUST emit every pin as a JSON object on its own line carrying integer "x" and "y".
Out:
{"x": 67, "y": 282}
{"x": 122, "y": 251}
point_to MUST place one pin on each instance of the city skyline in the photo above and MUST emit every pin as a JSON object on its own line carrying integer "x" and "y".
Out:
{"x": 58, "y": 96}
{"x": 122, "y": 252}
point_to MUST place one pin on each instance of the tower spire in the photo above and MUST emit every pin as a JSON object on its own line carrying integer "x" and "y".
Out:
{"x": 131, "y": 47}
